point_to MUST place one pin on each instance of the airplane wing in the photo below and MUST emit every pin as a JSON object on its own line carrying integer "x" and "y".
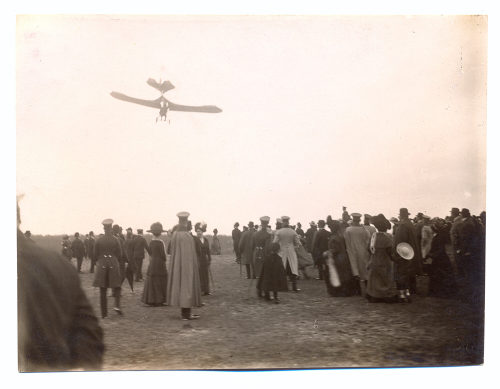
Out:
{"x": 148, "y": 103}
{"x": 189, "y": 108}
{"x": 163, "y": 87}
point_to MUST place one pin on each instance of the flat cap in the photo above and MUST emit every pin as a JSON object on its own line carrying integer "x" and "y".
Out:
{"x": 285, "y": 218}
{"x": 107, "y": 222}
{"x": 183, "y": 215}
{"x": 265, "y": 219}
{"x": 355, "y": 214}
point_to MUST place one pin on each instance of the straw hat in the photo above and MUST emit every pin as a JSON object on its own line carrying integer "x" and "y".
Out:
{"x": 405, "y": 251}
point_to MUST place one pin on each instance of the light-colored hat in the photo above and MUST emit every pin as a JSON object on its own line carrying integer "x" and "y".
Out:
{"x": 355, "y": 214}
{"x": 183, "y": 215}
{"x": 405, "y": 251}
{"x": 107, "y": 222}
{"x": 265, "y": 219}
{"x": 312, "y": 223}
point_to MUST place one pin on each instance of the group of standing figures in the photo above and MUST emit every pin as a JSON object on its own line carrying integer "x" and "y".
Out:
{"x": 365, "y": 259}
{"x": 181, "y": 285}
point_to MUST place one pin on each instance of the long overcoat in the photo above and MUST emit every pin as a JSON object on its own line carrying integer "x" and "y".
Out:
{"x": 288, "y": 240}
{"x": 183, "y": 288}
{"x": 107, "y": 250}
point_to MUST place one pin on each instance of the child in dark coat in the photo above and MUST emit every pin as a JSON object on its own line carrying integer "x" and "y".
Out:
{"x": 273, "y": 276}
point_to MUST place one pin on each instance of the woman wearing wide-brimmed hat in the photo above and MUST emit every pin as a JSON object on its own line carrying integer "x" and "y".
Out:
{"x": 155, "y": 286}
{"x": 381, "y": 286}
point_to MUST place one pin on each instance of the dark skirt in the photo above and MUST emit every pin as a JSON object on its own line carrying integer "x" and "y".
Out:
{"x": 347, "y": 283}
{"x": 204, "y": 276}
{"x": 273, "y": 275}
{"x": 441, "y": 278}
{"x": 155, "y": 285}
{"x": 107, "y": 274}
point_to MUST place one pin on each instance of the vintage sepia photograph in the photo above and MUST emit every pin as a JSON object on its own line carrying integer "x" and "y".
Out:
{"x": 250, "y": 192}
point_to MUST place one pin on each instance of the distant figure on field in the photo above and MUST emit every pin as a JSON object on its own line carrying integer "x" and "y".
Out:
{"x": 66, "y": 248}
{"x": 236, "y": 234}
{"x": 215, "y": 247}
{"x": 78, "y": 249}
{"x": 140, "y": 245}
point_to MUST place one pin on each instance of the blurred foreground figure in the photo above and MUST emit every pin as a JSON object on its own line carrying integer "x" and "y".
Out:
{"x": 57, "y": 327}
{"x": 107, "y": 275}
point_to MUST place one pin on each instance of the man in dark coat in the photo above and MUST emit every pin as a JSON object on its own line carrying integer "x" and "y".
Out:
{"x": 464, "y": 244}
{"x": 57, "y": 328}
{"x": 319, "y": 246}
{"x": 90, "y": 250}
{"x": 140, "y": 245}
{"x": 108, "y": 251}
{"x": 260, "y": 243}
{"x": 406, "y": 271}
{"x": 310, "y": 235}
{"x": 236, "y": 234}
{"x": 300, "y": 232}
{"x": 122, "y": 260}
{"x": 246, "y": 250}
{"x": 78, "y": 249}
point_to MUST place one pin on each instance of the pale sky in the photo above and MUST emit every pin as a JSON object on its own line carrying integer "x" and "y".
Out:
{"x": 374, "y": 113}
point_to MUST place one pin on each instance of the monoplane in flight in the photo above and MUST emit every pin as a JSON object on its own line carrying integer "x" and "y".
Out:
{"x": 162, "y": 103}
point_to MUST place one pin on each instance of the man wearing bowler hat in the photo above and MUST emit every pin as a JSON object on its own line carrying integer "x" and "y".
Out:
{"x": 140, "y": 245}
{"x": 108, "y": 250}
{"x": 78, "y": 249}
{"x": 288, "y": 241}
{"x": 407, "y": 270}
{"x": 183, "y": 287}
{"x": 319, "y": 246}
{"x": 246, "y": 250}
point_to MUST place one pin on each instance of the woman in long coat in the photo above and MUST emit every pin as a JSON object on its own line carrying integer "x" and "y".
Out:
{"x": 183, "y": 288}
{"x": 204, "y": 258}
{"x": 381, "y": 286}
{"x": 155, "y": 286}
{"x": 215, "y": 248}
{"x": 338, "y": 275}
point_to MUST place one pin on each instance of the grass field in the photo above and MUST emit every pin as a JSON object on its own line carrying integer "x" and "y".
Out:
{"x": 308, "y": 329}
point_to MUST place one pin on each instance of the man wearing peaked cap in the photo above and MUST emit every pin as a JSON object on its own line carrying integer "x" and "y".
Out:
{"x": 357, "y": 241}
{"x": 288, "y": 240}
{"x": 183, "y": 286}
{"x": 260, "y": 245}
{"x": 319, "y": 246}
{"x": 107, "y": 253}
{"x": 246, "y": 249}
